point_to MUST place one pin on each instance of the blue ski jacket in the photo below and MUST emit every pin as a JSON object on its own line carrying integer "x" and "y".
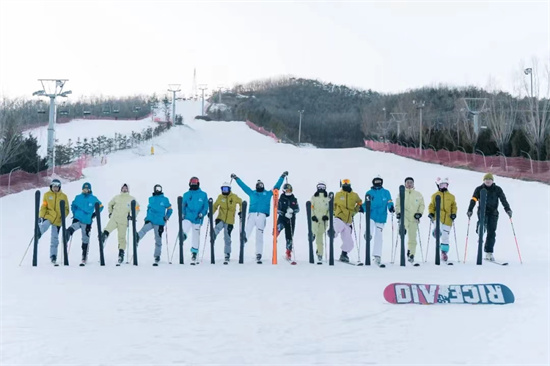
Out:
{"x": 158, "y": 208}
{"x": 380, "y": 204}
{"x": 260, "y": 201}
{"x": 83, "y": 207}
{"x": 194, "y": 206}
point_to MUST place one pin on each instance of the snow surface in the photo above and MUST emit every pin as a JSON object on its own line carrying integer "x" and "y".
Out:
{"x": 266, "y": 314}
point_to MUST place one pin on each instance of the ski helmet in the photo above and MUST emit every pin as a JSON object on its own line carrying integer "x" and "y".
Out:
{"x": 226, "y": 188}
{"x": 260, "y": 186}
{"x": 157, "y": 188}
{"x": 321, "y": 186}
{"x": 442, "y": 183}
{"x": 55, "y": 183}
{"x": 377, "y": 181}
{"x": 287, "y": 188}
{"x": 194, "y": 182}
{"x": 87, "y": 186}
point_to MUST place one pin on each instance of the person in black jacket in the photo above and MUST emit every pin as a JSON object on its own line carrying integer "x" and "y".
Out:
{"x": 287, "y": 210}
{"x": 494, "y": 193}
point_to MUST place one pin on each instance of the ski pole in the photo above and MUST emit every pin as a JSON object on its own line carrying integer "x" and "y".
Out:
{"x": 392, "y": 235}
{"x": 466, "y": 246}
{"x": 420, "y": 241}
{"x": 428, "y": 245}
{"x": 456, "y": 243}
{"x": 127, "y": 241}
{"x": 395, "y": 251}
{"x": 173, "y": 250}
{"x": 358, "y": 241}
{"x": 326, "y": 255}
{"x": 167, "y": 250}
{"x": 205, "y": 237}
{"x": 24, "y": 255}
{"x": 516, "y": 239}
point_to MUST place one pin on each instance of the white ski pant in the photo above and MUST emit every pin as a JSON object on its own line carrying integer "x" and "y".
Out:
{"x": 55, "y": 235}
{"x": 188, "y": 226}
{"x": 340, "y": 227}
{"x": 158, "y": 230}
{"x": 256, "y": 219}
{"x": 444, "y": 238}
{"x": 376, "y": 230}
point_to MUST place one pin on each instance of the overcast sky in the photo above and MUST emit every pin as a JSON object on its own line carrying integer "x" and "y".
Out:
{"x": 129, "y": 47}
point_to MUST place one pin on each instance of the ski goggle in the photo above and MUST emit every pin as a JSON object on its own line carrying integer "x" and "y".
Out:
{"x": 288, "y": 190}
{"x": 194, "y": 182}
{"x": 56, "y": 184}
{"x": 85, "y": 190}
{"x": 321, "y": 187}
{"x": 158, "y": 188}
{"x": 226, "y": 189}
{"x": 346, "y": 182}
{"x": 377, "y": 181}
{"x": 443, "y": 185}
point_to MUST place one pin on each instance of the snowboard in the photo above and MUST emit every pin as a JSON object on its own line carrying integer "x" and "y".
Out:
{"x": 427, "y": 294}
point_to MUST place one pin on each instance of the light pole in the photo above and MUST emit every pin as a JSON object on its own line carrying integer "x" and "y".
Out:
{"x": 9, "y": 177}
{"x": 300, "y": 126}
{"x": 529, "y": 71}
{"x": 52, "y": 88}
{"x": 174, "y": 88}
{"x": 420, "y": 105}
{"x": 202, "y": 87}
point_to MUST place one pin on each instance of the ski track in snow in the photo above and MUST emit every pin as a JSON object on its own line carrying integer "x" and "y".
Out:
{"x": 265, "y": 314}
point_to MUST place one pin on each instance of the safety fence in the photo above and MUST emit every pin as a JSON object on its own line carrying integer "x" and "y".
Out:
{"x": 512, "y": 167}
{"x": 261, "y": 130}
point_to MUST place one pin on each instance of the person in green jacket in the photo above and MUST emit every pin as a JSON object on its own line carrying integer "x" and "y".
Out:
{"x": 414, "y": 208}
{"x": 226, "y": 204}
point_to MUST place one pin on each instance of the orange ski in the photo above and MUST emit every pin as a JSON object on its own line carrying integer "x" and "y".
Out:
{"x": 275, "y": 204}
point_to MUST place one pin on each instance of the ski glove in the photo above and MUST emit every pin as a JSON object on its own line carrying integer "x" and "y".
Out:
{"x": 41, "y": 220}
{"x": 453, "y": 217}
{"x": 398, "y": 215}
{"x": 285, "y": 173}
{"x": 200, "y": 215}
{"x": 166, "y": 218}
{"x": 431, "y": 217}
{"x": 509, "y": 212}
{"x": 391, "y": 209}
{"x": 129, "y": 217}
{"x": 314, "y": 219}
{"x": 239, "y": 214}
{"x": 361, "y": 209}
{"x": 93, "y": 216}
{"x": 110, "y": 213}
{"x": 289, "y": 213}
{"x": 324, "y": 218}
{"x": 234, "y": 176}
{"x": 469, "y": 214}
{"x": 417, "y": 216}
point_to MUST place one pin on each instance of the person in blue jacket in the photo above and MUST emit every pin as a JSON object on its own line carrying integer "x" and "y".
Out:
{"x": 381, "y": 203}
{"x": 260, "y": 208}
{"x": 194, "y": 209}
{"x": 83, "y": 208}
{"x": 159, "y": 211}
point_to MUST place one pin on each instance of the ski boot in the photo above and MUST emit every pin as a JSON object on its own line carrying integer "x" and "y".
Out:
{"x": 288, "y": 254}
{"x": 376, "y": 260}
{"x": 104, "y": 236}
{"x": 193, "y": 258}
{"x": 344, "y": 257}
{"x": 157, "y": 260}
{"x": 444, "y": 256}
{"x": 259, "y": 258}
{"x": 120, "y": 256}
{"x": 489, "y": 257}
{"x": 226, "y": 259}
{"x": 53, "y": 259}
{"x": 84, "y": 254}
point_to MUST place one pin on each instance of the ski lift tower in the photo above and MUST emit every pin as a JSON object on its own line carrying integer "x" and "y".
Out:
{"x": 398, "y": 118}
{"x": 203, "y": 87}
{"x": 52, "y": 88}
{"x": 476, "y": 106}
{"x": 174, "y": 88}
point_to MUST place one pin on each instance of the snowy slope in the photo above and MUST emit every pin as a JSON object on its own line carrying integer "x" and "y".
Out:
{"x": 267, "y": 314}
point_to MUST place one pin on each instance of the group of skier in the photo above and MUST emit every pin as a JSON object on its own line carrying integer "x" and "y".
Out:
{"x": 195, "y": 208}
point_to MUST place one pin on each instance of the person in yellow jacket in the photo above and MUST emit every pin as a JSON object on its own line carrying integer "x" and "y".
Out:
{"x": 447, "y": 214}
{"x": 414, "y": 208}
{"x": 346, "y": 204}
{"x": 50, "y": 215}
{"x": 319, "y": 217}
{"x": 227, "y": 203}
{"x": 120, "y": 212}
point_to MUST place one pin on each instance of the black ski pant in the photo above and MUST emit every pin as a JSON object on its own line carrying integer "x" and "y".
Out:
{"x": 490, "y": 224}
{"x": 288, "y": 225}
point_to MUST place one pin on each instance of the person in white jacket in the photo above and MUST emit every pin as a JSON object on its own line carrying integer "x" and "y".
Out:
{"x": 319, "y": 217}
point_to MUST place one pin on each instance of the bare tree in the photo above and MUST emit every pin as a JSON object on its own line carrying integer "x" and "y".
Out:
{"x": 10, "y": 133}
{"x": 537, "y": 118}
{"x": 502, "y": 119}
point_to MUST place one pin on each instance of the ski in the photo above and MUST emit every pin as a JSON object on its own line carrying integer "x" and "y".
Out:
{"x": 498, "y": 263}
{"x": 331, "y": 229}
{"x": 134, "y": 235}
{"x": 437, "y": 230}
{"x": 212, "y": 232}
{"x": 291, "y": 261}
{"x": 36, "y": 228}
{"x": 402, "y": 223}
{"x": 309, "y": 232}
{"x": 63, "y": 233}
{"x": 367, "y": 229}
{"x": 275, "y": 234}
{"x": 242, "y": 238}
{"x": 99, "y": 234}
{"x": 357, "y": 264}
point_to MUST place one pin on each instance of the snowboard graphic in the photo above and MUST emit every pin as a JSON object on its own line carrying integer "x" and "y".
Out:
{"x": 425, "y": 294}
